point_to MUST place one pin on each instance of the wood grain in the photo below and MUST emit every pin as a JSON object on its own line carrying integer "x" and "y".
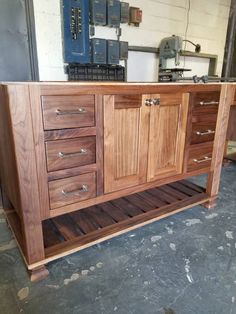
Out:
{"x": 99, "y": 143}
{"x": 68, "y": 133}
{"x": 76, "y": 152}
{"x": 41, "y": 166}
{"x": 125, "y": 144}
{"x": 226, "y": 99}
{"x": 66, "y": 173}
{"x": 68, "y": 104}
{"x": 22, "y": 127}
{"x": 71, "y": 186}
{"x": 167, "y": 135}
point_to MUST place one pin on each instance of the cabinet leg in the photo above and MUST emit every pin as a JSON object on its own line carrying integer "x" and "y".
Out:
{"x": 211, "y": 203}
{"x": 38, "y": 273}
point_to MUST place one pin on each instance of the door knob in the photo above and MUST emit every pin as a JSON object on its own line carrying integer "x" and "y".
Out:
{"x": 152, "y": 101}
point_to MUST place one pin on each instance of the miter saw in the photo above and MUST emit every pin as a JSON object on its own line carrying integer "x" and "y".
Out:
{"x": 171, "y": 47}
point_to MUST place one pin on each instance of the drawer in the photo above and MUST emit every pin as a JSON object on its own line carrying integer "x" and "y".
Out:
{"x": 63, "y": 154}
{"x": 72, "y": 190}
{"x": 199, "y": 156}
{"x": 61, "y": 112}
{"x": 203, "y": 128}
{"x": 206, "y": 102}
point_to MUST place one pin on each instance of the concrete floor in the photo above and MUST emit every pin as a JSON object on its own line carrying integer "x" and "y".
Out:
{"x": 183, "y": 264}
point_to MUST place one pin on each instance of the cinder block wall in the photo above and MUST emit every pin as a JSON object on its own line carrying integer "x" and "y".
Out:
{"x": 161, "y": 18}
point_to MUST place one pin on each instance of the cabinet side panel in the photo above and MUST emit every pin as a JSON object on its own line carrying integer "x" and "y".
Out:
{"x": 19, "y": 106}
{"x": 8, "y": 169}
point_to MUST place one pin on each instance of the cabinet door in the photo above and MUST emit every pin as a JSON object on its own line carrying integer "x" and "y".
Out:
{"x": 126, "y": 127}
{"x": 167, "y": 134}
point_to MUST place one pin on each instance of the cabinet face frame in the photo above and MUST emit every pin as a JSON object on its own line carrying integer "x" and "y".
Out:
{"x": 172, "y": 125}
{"x": 125, "y": 134}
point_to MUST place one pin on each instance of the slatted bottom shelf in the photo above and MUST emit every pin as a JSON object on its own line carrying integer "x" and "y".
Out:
{"x": 74, "y": 231}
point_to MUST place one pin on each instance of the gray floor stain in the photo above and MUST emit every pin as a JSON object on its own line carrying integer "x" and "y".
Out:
{"x": 137, "y": 273}
{"x": 229, "y": 234}
{"x": 8, "y": 246}
{"x": 191, "y": 222}
{"x": 155, "y": 238}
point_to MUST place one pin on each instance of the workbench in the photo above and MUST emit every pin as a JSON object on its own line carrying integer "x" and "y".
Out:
{"x": 84, "y": 162}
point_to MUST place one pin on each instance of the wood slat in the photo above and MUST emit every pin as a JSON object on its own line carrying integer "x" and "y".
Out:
{"x": 168, "y": 199}
{"x": 193, "y": 186}
{"x": 171, "y": 191}
{"x": 108, "y": 219}
{"x": 98, "y": 215}
{"x": 67, "y": 227}
{"x": 182, "y": 188}
{"x": 127, "y": 207}
{"x": 113, "y": 211}
{"x": 84, "y": 222}
{"x": 150, "y": 199}
{"x": 139, "y": 202}
{"x": 125, "y": 226}
{"x": 51, "y": 234}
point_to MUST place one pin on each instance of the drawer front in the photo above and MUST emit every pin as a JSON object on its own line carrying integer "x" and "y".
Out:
{"x": 199, "y": 156}
{"x": 206, "y": 102}
{"x": 72, "y": 190}
{"x": 61, "y": 112}
{"x": 203, "y": 128}
{"x": 63, "y": 154}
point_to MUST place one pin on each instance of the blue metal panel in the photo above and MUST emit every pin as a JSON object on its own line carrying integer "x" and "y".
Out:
{"x": 99, "y": 51}
{"x": 113, "y": 13}
{"x": 98, "y": 12}
{"x": 76, "y": 31}
{"x": 113, "y": 51}
{"x": 124, "y": 50}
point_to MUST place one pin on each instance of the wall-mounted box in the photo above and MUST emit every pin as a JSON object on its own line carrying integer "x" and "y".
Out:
{"x": 76, "y": 31}
{"x": 113, "y": 13}
{"x": 135, "y": 16}
{"x": 124, "y": 12}
{"x": 99, "y": 51}
{"x": 124, "y": 50}
{"x": 98, "y": 12}
{"x": 113, "y": 52}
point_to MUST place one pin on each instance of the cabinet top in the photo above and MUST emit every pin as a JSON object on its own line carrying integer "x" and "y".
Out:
{"x": 74, "y": 83}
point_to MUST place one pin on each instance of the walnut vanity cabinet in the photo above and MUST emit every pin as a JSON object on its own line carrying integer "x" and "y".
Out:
{"x": 81, "y": 163}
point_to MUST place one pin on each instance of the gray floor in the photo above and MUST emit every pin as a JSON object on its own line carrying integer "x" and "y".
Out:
{"x": 184, "y": 264}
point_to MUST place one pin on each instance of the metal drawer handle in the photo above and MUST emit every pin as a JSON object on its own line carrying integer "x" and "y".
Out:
{"x": 60, "y": 112}
{"x": 205, "y": 133}
{"x": 84, "y": 188}
{"x": 208, "y": 103}
{"x": 153, "y": 101}
{"x": 205, "y": 159}
{"x": 83, "y": 151}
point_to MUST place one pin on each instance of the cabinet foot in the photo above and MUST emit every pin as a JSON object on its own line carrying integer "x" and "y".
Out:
{"x": 38, "y": 273}
{"x": 211, "y": 203}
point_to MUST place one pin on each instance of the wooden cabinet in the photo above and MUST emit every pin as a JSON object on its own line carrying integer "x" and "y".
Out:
{"x": 144, "y": 138}
{"x": 82, "y": 163}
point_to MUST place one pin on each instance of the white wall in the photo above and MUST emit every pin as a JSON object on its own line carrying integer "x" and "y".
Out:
{"x": 161, "y": 18}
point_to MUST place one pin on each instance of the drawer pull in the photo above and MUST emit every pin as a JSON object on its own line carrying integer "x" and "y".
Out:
{"x": 68, "y": 112}
{"x": 84, "y": 188}
{"x": 208, "y": 103}
{"x": 83, "y": 151}
{"x": 205, "y": 159}
{"x": 205, "y": 133}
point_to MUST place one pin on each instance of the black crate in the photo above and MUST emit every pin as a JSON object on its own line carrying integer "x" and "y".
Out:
{"x": 92, "y": 72}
